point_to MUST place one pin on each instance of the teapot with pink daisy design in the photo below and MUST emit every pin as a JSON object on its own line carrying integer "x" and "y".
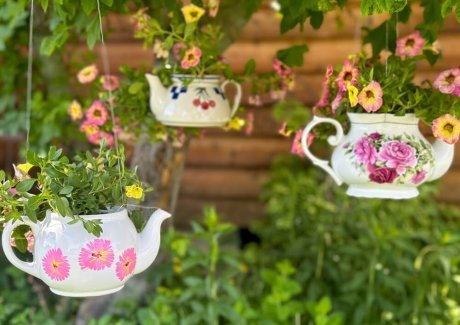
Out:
{"x": 75, "y": 263}
{"x": 85, "y": 243}
{"x": 375, "y": 99}
{"x": 192, "y": 101}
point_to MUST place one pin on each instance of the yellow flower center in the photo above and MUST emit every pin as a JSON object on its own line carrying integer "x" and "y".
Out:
{"x": 370, "y": 94}
{"x": 190, "y": 57}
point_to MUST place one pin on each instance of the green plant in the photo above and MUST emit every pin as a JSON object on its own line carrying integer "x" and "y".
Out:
{"x": 90, "y": 184}
{"x": 380, "y": 262}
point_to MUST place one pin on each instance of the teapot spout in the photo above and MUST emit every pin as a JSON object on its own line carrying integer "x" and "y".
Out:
{"x": 158, "y": 94}
{"x": 149, "y": 241}
{"x": 443, "y": 155}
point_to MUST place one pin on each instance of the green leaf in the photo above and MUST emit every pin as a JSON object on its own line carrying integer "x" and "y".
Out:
{"x": 377, "y": 37}
{"x": 109, "y": 3}
{"x": 92, "y": 32}
{"x": 292, "y": 56}
{"x": 32, "y": 158}
{"x": 88, "y": 6}
{"x": 135, "y": 88}
{"x": 19, "y": 238}
{"x": 250, "y": 67}
{"x": 66, "y": 190}
{"x": 60, "y": 206}
{"x": 30, "y": 212}
{"x": 25, "y": 185}
{"x": 316, "y": 19}
{"x": 44, "y": 4}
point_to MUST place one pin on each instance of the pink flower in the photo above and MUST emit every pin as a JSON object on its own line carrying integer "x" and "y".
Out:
{"x": 365, "y": 152}
{"x": 296, "y": 147}
{"x": 75, "y": 111}
{"x": 255, "y": 100}
{"x": 97, "y": 113}
{"x": 370, "y": 97}
{"x": 410, "y": 46}
{"x": 348, "y": 75}
{"x": 191, "y": 58}
{"x": 56, "y": 265}
{"x": 325, "y": 92}
{"x": 337, "y": 100}
{"x": 95, "y": 138}
{"x": 88, "y": 128}
{"x": 382, "y": 175}
{"x": 282, "y": 69}
{"x": 448, "y": 82}
{"x": 446, "y": 128}
{"x": 419, "y": 177}
{"x": 398, "y": 155}
{"x": 249, "y": 123}
{"x": 126, "y": 264}
{"x": 87, "y": 74}
{"x": 110, "y": 82}
{"x": 279, "y": 94}
{"x": 97, "y": 255}
{"x": 177, "y": 49}
{"x": 283, "y": 130}
{"x": 213, "y": 7}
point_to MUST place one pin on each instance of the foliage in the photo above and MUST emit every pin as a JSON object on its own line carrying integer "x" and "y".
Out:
{"x": 90, "y": 184}
{"x": 203, "y": 281}
{"x": 378, "y": 262}
{"x": 435, "y": 11}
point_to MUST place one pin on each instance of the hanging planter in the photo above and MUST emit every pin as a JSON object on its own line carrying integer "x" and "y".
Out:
{"x": 75, "y": 263}
{"x": 85, "y": 243}
{"x": 382, "y": 156}
{"x": 192, "y": 102}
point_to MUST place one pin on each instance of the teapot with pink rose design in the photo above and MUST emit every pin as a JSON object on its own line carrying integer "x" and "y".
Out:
{"x": 76, "y": 263}
{"x": 382, "y": 156}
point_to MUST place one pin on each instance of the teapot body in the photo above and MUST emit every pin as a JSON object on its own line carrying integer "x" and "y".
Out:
{"x": 200, "y": 102}
{"x": 73, "y": 262}
{"x": 382, "y": 156}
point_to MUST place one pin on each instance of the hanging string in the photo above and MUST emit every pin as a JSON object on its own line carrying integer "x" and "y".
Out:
{"x": 29, "y": 73}
{"x": 106, "y": 66}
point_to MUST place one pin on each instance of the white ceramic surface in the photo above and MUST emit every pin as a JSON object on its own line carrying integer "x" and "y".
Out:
{"x": 75, "y": 263}
{"x": 382, "y": 156}
{"x": 202, "y": 103}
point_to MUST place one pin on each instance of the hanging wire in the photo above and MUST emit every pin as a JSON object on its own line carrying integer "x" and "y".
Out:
{"x": 29, "y": 73}
{"x": 106, "y": 66}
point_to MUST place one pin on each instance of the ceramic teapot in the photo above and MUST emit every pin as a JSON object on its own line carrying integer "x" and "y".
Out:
{"x": 382, "y": 156}
{"x": 75, "y": 263}
{"x": 200, "y": 103}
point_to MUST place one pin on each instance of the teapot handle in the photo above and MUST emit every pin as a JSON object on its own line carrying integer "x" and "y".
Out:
{"x": 28, "y": 267}
{"x": 333, "y": 140}
{"x": 237, "y": 99}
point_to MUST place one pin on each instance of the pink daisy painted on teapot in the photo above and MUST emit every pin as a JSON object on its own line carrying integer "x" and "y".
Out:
{"x": 382, "y": 156}
{"x": 73, "y": 262}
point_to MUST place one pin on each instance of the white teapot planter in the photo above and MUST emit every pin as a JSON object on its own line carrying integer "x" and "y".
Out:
{"x": 201, "y": 103}
{"x": 75, "y": 263}
{"x": 382, "y": 156}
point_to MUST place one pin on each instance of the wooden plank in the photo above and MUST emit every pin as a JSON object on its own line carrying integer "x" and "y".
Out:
{"x": 449, "y": 187}
{"x": 239, "y": 212}
{"x": 234, "y": 153}
{"x": 222, "y": 183}
{"x": 322, "y": 53}
{"x": 264, "y": 25}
